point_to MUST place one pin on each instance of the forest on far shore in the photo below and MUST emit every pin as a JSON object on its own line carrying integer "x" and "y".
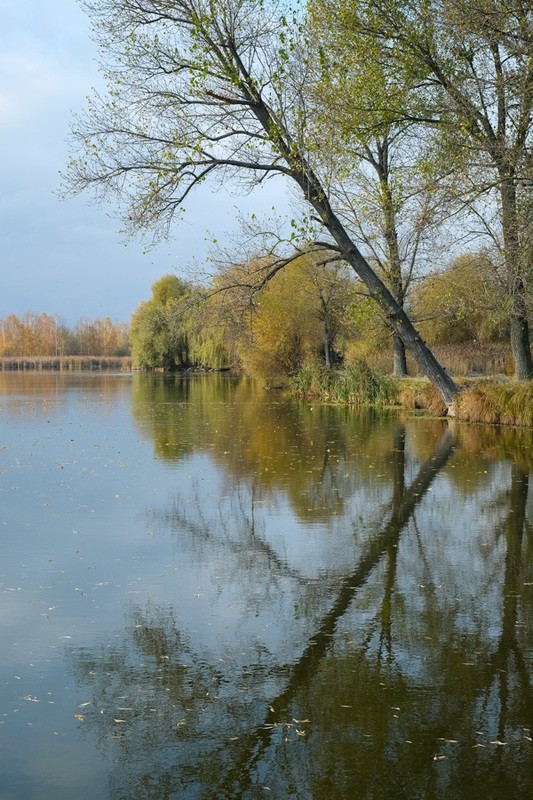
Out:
{"x": 44, "y": 334}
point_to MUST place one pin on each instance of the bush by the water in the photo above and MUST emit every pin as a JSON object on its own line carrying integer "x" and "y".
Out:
{"x": 353, "y": 384}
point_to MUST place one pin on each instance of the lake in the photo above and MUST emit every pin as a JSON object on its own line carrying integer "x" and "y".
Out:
{"x": 209, "y": 591}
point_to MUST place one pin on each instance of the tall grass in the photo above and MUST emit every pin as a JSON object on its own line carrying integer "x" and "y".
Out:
{"x": 419, "y": 394}
{"x": 353, "y": 384}
{"x": 509, "y": 403}
{"x": 469, "y": 358}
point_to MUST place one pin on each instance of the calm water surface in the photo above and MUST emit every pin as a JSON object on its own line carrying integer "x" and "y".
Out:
{"x": 210, "y": 592}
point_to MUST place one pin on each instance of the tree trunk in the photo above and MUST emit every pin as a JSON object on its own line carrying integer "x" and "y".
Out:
{"x": 316, "y": 196}
{"x": 327, "y": 352}
{"x": 523, "y": 364}
{"x": 327, "y": 339}
{"x": 399, "y": 357}
{"x": 520, "y": 347}
{"x": 395, "y": 264}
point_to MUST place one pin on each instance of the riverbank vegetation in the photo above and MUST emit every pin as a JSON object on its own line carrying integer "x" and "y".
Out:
{"x": 310, "y": 332}
{"x": 490, "y": 401}
{"x": 312, "y": 319}
{"x": 65, "y": 363}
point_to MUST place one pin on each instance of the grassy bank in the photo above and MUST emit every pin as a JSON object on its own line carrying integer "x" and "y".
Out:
{"x": 494, "y": 401}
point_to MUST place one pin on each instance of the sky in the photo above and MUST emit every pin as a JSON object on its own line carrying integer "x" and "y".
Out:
{"x": 68, "y": 257}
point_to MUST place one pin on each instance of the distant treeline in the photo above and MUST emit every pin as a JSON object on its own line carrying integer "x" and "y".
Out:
{"x": 47, "y": 335}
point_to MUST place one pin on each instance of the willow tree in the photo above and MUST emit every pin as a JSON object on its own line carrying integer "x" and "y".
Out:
{"x": 206, "y": 89}
{"x": 301, "y": 317}
{"x": 159, "y": 326}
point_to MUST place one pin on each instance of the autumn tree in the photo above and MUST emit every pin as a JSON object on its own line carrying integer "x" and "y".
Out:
{"x": 462, "y": 303}
{"x": 330, "y": 290}
{"x": 48, "y": 335}
{"x": 301, "y": 316}
{"x": 204, "y": 89}
{"x": 215, "y": 327}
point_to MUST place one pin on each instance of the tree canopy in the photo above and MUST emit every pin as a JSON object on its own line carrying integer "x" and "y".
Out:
{"x": 213, "y": 89}
{"x": 469, "y": 69}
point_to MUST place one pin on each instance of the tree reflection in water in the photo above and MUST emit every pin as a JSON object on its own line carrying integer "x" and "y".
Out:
{"x": 405, "y": 675}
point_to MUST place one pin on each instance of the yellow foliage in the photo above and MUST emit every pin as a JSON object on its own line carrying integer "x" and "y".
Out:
{"x": 298, "y": 313}
{"x": 458, "y": 305}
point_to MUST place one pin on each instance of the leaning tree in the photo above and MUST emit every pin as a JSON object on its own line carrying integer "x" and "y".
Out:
{"x": 211, "y": 89}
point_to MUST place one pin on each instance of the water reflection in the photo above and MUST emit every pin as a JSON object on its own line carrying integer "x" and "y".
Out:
{"x": 285, "y": 600}
{"x": 307, "y": 452}
{"x": 45, "y": 394}
{"x": 378, "y": 645}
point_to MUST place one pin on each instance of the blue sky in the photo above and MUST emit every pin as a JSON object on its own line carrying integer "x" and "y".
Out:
{"x": 68, "y": 257}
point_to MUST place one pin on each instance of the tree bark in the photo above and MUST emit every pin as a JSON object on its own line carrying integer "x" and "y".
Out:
{"x": 523, "y": 363}
{"x": 395, "y": 265}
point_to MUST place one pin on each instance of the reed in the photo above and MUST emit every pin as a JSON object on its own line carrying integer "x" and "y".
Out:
{"x": 418, "y": 394}
{"x": 61, "y": 363}
{"x": 496, "y": 401}
{"x": 467, "y": 359}
{"x": 505, "y": 403}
